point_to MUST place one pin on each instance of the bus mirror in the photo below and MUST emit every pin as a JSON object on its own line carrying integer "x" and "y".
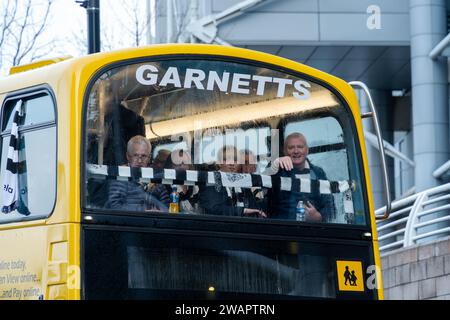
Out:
{"x": 373, "y": 114}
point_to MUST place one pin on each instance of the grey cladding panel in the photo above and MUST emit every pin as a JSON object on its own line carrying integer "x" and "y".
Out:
{"x": 353, "y": 27}
{"x": 267, "y": 49}
{"x": 397, "y": 6}
{"x": 402, "y": 80}
{"x": 366, "y": 52}
{"x": 351, "y": 69}
{"x": 389, "y": 76}
{"x": 323, "y": 65}
{"x": 298, "y": 53}
{"x": 264, "y": 28}
{"x": 390, "y": 67}
{"x": 334, "y": 52}
{"x": 271, "y": 6}
{"x": 402, "y": 53}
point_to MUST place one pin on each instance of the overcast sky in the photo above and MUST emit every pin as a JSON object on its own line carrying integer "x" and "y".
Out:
{"x": 67, "y": 27}
{"x": 69, "y": 19}
{"x": 67, "y": 16}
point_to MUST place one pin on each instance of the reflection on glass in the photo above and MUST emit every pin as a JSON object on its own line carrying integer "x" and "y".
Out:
{"x": 203, "y": 106}
{"x": 230, "y": 271}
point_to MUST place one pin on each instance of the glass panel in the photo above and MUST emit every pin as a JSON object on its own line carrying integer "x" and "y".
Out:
{"x": 328, "y": 153}
{"x": 138, "y": 265}
{"x": 5, "y": 146}
{"x": 38, "y": 181}
{"x": 234, "y": 271}
{"x": 8, "y": 115}
{"x": 41, "y": 169}
{"x": 38, "y": 109}
{"x": 228, "y": 118}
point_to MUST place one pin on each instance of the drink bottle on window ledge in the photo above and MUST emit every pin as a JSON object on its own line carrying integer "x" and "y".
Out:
{"x": 174, "y": 206}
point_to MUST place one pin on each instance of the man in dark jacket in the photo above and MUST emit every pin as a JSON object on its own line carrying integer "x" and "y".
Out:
{"x": 219, "y": 200}
{"x": 318, "y": 207}
{"x": 131, "y": 195}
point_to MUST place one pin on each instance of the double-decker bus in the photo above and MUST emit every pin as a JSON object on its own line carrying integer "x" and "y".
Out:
{"x": 252, "y": 179}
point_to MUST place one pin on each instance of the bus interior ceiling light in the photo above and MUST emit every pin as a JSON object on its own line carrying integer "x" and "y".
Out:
{"x": 229, "y": 116}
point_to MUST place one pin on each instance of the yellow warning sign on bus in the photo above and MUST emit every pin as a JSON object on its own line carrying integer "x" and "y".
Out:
{"x": 350, "y": 275}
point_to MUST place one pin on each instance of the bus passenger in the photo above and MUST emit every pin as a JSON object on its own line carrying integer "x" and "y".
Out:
{"x": 160, "y": 159}
{"x": 180, "y": 159}
{"x": 295, "y": 164}
{"x": 219, "y": 200}
{"x": 254, "y": 197}
{"x": 132, "y": 195}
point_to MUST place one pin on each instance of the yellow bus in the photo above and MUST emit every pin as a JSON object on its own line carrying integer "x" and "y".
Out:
{"x": 272, "y": 194}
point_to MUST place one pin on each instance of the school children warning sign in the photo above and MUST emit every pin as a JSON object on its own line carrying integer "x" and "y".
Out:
{"x": 350, "y": 275}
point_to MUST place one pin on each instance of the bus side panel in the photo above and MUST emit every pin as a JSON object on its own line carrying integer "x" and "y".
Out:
{"x": 40, "y": 262}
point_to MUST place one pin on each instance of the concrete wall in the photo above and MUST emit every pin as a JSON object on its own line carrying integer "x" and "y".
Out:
{"x": 418, "y": 272}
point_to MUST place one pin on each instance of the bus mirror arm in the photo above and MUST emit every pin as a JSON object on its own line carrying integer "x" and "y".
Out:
{"x": 366, "y": 115}
{"x": 374, "y": 116}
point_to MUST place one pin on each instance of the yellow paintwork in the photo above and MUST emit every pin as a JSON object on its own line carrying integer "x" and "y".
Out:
{"x": 36, "y": 64}
{"x": 68, "y": 79}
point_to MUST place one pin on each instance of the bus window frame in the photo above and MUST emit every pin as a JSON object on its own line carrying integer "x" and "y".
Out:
{"x": 196, "y": 218}
{"x": 318, "y": 115}
{"x": 25, "y": 93}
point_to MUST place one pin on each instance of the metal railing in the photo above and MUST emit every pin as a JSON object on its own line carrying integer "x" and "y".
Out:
{"x": 420, "y": 218}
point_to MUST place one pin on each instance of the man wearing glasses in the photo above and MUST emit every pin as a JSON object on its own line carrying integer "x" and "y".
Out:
{"x": 132, "y": 195}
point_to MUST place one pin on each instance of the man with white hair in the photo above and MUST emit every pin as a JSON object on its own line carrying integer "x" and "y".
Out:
{"x": 130, "y": 195}
{"x": 295, "y": 164}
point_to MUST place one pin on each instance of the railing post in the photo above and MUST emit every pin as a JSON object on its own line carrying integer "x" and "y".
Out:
{"x": 413, "y": 219}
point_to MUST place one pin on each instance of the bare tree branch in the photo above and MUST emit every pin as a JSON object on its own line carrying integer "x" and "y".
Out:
{"x": 30, "y": 45}
{"x": 132, "y": 20}
{"x": 8, "y": 18}
{"x": 22, "y": 25}
{"x": 181, "y": 18}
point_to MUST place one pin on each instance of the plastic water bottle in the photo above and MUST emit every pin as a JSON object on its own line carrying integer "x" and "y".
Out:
{"x": 174, "y": 206}
{"x": 300, "y": 211}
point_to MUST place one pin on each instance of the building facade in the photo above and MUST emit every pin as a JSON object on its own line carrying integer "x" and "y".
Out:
{"x": 386, "y": 44}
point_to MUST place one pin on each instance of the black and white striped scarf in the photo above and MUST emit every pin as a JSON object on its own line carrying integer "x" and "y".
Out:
{"x": 14, "y": 198}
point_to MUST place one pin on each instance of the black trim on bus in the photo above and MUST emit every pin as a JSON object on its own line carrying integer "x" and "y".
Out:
{"x": 204, "y": 223}
{"x": 165, "y": 227}
{"x": 326, "y": 148}
{"x": 26, "y": 93}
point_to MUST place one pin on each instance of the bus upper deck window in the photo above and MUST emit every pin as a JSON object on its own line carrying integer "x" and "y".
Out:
{"x": 229, "y": 120}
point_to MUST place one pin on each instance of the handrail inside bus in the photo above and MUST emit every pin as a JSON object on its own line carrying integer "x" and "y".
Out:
{"x": 376, "y": 124}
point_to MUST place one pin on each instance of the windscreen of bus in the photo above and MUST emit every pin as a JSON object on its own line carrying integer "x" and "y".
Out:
{"x": 217, "y": 138}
